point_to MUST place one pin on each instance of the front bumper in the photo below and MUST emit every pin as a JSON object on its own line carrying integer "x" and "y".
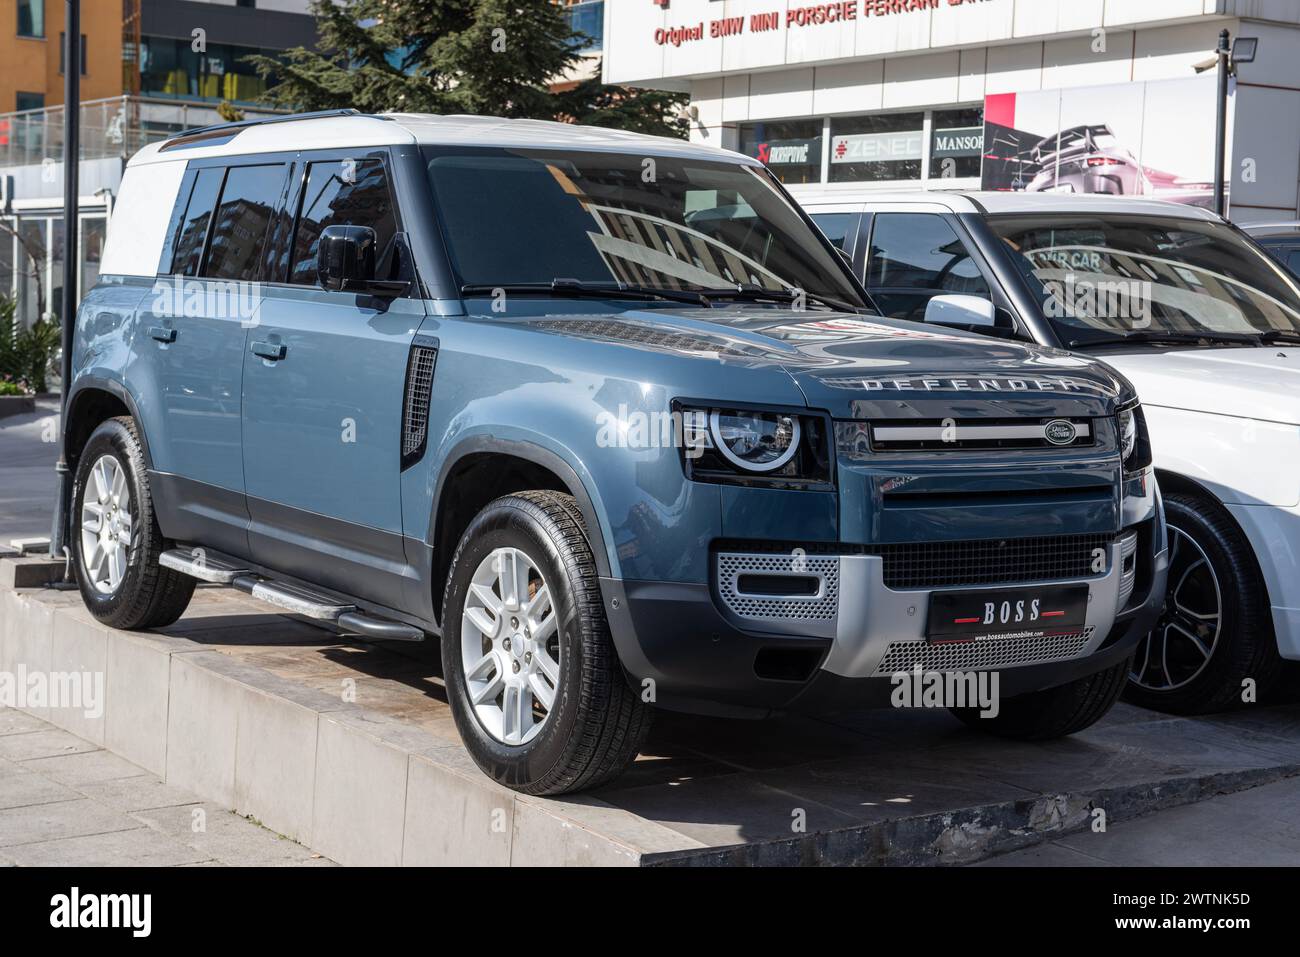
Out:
{"x": 688, "y": 647}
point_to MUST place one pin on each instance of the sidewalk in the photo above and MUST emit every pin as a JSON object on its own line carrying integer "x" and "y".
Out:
{"x": 1255, "y": 828}
{"x": 66, "y": 802}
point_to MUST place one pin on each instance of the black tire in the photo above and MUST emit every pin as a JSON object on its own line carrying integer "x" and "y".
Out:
{"x": 1246, "y": 645}
{"x": 148, "y": 595}
{"x": 1054, "y": 712}
{"x": 597, "y": 723}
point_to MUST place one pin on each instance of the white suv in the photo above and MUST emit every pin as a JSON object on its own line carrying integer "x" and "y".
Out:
{"x": 1207, "y": 327}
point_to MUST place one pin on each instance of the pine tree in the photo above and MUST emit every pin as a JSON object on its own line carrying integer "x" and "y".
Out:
{"x": 486, "y": 57}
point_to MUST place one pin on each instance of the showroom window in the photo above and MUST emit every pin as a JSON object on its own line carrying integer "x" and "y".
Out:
{"x": 956, "y": 143}
{"x": 920, "y": 146}
{"x": 873, "y": 149}
{"x": 792, "y": 150}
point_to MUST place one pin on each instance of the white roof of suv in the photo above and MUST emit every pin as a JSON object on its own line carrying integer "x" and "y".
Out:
{"x": 1007, "y": 202}
{"x": 402, "y": 129}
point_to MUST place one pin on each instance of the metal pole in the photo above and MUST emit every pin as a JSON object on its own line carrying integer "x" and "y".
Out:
{"x": 71, "y": 270}
{"x": 1221, "y": 131}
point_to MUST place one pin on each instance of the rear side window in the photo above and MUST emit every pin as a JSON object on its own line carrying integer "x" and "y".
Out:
{"x": 838, "y": 227}
{"x": 921, "y": 251}
{"x": 347, "y": 193}
{"x": 193, "y": 229}
{"x": 1293, "y": 261}
{"x": 243, "y": 217}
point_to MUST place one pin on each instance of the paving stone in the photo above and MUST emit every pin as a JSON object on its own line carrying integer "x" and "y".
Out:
{"x": 87, "y": 767}
{"x": 48, "y": 822}
{"x": 139, "y": 847}
{"x": 20, "y": 787}
{"x": 140, "y": 793}
{"x": 42, "y": 744}
{"x": 13, "y": 721}
{"x": 222, "y": 835}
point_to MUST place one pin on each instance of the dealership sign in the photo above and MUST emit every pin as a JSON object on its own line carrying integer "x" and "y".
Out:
{"x": 876, "y": 147}
{"x": 797, "y": 15}
{"x": 790, "y": 152}
{"x": 967, "y": 141}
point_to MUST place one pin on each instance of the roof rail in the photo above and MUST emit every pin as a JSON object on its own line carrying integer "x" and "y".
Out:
{"x": 219, "y": 129}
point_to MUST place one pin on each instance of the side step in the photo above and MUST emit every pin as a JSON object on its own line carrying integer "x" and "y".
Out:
{"x": 292, "y": 598}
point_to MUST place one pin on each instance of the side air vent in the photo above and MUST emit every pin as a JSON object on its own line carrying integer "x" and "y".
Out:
{"x": 415, "y": 404}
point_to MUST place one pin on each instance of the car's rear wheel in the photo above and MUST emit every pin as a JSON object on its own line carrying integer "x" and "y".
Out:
{"x": 1053, "y": 712}
{"x": 114, "y": 535}
{"x": 534, "y": 683}
{"x": 1215, "y": 633}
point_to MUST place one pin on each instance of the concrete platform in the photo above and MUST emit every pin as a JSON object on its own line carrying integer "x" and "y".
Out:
{"x": 349, "y": 748}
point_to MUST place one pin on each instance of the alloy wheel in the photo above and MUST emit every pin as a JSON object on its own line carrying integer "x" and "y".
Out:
{"x": 510, "y": 650}
{"x": 107, "y": 524}
{"x": 1183, "y": 641}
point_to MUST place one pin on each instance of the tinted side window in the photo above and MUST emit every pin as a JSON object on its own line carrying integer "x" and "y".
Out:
{"x": 243, "y": 216}
{"x": 914, "y": 257}
{"x": 1293, "y": 261}
{"x": 921, "y": 251}
{"x": 194, "y": 224}
{"x": 838, "y": 227}
{"x": 341, "y": 194}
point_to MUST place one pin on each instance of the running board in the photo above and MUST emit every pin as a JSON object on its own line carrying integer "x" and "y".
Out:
{"x": 292, "y": 598}
{"x": 196, "y": 563}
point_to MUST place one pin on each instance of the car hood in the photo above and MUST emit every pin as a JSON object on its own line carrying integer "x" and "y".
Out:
{"x": 867, "y": 367}
{"x": 1250, "y": 383}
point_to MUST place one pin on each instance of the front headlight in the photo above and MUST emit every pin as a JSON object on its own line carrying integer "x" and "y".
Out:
{"x": 1134, "y": 445}
{"x": 755, "y": 441}
{"x": 756, "y": 447}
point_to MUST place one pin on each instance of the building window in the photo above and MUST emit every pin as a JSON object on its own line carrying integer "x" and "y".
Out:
{"x": 31, "y": 18}
{"x": 31, "y": 101}
{"x": 791, "y": 150}
{"x": 170, "y": 68}
{"x": 588, "y": 18}
{"x": 956, "y": 143}
{"x": 878, "y": 148}
{"x": 63, "y": 53}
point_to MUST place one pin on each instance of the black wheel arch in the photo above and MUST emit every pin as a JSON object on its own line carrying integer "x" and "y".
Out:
{"x": 533, "y": 463}
{"x": 93, "y": 400}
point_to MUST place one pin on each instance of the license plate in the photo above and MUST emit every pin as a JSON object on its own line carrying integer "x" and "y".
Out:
{"x": 1029, "y": 612}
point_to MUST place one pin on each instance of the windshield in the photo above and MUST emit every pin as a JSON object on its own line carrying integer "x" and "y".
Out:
{"x": 523, "y": 216}
{"x": 1107, "y": 276}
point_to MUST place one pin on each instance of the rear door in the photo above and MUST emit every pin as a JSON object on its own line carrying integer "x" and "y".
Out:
{"x": 190, "y": 337}
{"x": 324, "y": 376}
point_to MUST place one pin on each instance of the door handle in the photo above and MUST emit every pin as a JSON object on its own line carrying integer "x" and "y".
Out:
{"x": 274, "y": 351}
{"x": 162, "y": 334}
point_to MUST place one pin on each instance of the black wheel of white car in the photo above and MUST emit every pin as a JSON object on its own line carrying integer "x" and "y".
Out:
{"x": 114, "y": 536}
{"x": 534, "y": 683}
{"x": 1216, "y": 631}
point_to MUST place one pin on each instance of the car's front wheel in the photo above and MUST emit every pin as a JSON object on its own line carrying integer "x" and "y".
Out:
{"x": 115, "y": 538}
{"x": 534, "y": 683}
{"x": 1215, "y": 637}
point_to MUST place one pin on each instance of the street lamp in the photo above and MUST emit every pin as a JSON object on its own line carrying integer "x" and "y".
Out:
{"x": 71, "y": 185}
{"x": 1229, "y": 55}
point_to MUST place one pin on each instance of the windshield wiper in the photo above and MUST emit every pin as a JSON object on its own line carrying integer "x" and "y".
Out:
{"x": 1274, "y": 336}
{"x": 573, "y": 288}
{"x": 749, "y": 293}
{"x": 1166, "y": 338}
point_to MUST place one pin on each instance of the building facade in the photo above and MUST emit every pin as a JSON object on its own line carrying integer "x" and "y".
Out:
{"x": 1113, "y": 96}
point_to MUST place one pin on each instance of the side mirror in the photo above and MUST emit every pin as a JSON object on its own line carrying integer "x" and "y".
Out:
{"x": 961, "y": 311}
{"x": 345, "y": 262}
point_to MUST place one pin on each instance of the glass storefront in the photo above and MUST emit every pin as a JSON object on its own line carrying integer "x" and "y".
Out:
{"x": 793, "y": 149}
{"x": 171, "y": 68}
{"x": 31, "y": 260}
{"x": 911, "y": 147}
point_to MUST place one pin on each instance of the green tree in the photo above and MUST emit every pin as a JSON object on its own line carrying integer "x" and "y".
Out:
{"x": 485, "y": 57}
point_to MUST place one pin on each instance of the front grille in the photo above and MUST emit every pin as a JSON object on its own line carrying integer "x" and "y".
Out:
{"x": 415, "y": 406}
{"x": 959, "y": 435}
{"x": 925, "y": 565}
{"x": 905, "y": 656}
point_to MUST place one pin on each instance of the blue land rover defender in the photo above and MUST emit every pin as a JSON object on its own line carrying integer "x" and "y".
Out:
{"x": 606, "y": 415}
